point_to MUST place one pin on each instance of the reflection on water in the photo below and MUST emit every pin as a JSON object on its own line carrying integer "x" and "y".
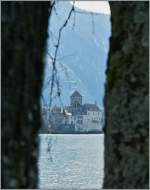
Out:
{"x": 71, "y": 161}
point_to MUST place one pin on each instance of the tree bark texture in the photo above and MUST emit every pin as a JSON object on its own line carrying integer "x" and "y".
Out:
{"x": 127, "y": 98}
{"x": 24, "y": 33}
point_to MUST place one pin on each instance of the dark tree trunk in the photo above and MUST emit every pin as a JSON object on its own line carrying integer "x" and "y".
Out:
{"x": 127, "y": 98}
{"x": 24, "y": 33}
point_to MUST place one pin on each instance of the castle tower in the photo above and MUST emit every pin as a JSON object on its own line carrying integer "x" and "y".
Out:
{"x": 76, "y": 99}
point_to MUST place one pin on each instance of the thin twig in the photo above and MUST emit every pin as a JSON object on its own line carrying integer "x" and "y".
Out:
{"x": 93, "y": 24}
{"x": 54, "y": 70}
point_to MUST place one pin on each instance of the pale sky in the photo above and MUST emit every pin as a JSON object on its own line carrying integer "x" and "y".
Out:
{"x": 93, "y": 6}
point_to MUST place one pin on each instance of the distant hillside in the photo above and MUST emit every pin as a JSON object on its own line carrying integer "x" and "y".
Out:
{"x": 87, "y": 45}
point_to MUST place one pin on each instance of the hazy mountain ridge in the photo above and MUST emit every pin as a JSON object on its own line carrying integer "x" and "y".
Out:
{"x": 88, "y": 45}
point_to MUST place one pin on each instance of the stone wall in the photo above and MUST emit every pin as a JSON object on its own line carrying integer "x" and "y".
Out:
{"x": 127, "y": 98}
{"x": 24, "y": 32}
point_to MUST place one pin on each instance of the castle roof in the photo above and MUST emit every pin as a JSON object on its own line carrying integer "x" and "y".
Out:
{"x": 75, "y": 94}
{"x": 56, "y": 109}
{"x": 91, "y": 107}
{"x": 83, "y": 108}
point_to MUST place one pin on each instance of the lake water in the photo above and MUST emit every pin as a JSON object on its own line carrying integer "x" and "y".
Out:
{"x": 71, "y": 161}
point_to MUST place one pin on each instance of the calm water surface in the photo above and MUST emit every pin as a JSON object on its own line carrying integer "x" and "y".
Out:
{"x": 71, "y": 161}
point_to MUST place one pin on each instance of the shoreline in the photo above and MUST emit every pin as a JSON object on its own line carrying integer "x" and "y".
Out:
{"x": 69, "y": 134}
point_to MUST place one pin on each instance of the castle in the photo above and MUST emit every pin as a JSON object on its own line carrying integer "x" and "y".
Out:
{"x": 75, "y": 118}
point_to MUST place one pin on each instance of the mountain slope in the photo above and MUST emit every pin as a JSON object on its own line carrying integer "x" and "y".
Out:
{"x": 86, "y": 45}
